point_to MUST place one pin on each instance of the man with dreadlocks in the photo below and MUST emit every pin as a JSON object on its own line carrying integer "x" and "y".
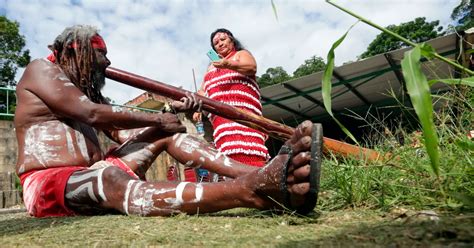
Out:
{"x": 64, "y": 172}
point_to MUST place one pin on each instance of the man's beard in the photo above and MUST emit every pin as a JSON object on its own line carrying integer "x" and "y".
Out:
{"x": 98, "y": 80}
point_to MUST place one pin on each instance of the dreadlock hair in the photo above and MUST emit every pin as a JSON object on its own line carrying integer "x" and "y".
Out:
{"x": 77, "y": 60}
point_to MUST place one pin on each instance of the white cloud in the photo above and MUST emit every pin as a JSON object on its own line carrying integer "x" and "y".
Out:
{"x": 165, "y": 40}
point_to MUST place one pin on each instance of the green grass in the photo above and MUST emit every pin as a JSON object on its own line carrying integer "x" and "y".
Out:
{"x": 239, "y": 228}
{"x": 406, "y": 179}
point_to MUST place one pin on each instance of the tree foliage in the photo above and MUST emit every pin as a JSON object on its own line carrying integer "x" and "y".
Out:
{"x": 12, "y": 54}
{"x": 417, "y": 31}
{"x": 311, "y": 65}
{"x": 273, "y": 76}
{"x": 278, "y": 75}
{"x": 463, "y": 14}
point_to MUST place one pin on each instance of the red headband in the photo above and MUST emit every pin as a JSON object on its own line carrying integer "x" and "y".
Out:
{"x": 96, "y": 42}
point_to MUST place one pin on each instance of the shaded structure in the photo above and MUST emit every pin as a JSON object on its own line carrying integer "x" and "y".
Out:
{"x": 370, "y": 87}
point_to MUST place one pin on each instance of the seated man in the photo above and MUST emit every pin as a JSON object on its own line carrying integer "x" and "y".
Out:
{"x": 64, "y": 172}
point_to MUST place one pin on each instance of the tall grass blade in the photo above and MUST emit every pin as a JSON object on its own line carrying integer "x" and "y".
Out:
{"x": 453, "y": 81}
{"x": 327, "y": 84}
{"x": 420, "y": 95}
{"x": 274, "y": 10}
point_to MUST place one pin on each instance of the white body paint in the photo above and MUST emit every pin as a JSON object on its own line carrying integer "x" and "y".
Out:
{"x": 139, "y": 198}
{"x": 178, "y": 201}
{"x": 39, "y": 145}
{"x": 80, "y": 141}
{"x": 69, "y": 143}
{"x": 88, "y": 176}
{"x": 116, "y": 109}
{"x": 84, "y": 98}
{"x": 21, "y": 169}
{"x": 124, "y": 134}
{"x": 199, "y": 192}
{"x": 127, "y": 194}
{"x": 87, "y": 186}
{"x": 189, "y": 145}
{"x": 61, "y": 77}
{"x": 178, "y": 138}
{"x": 143, "y": 198}
{"x": 100, "y": 185}
{"x": 140, "y": 152}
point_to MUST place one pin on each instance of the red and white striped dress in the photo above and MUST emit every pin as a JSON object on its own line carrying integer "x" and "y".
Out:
{"x": 237, "y": 141}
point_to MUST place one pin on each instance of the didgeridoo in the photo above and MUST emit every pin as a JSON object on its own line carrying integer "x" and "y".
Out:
{"x": 272, "y": 128}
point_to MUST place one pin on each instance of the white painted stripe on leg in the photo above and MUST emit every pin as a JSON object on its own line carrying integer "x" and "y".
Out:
{"x": 199, "y": 192}
{"x": 100, "y": 185}
{"x": 179, "y": 193}
{"x": 85, "y": 176}
{"x": 90, "y": 191}
{"x": 127, "y": 193}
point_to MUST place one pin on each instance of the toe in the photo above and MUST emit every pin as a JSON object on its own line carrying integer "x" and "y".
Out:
{"x": 299, "y": 160}
{"x": 299, "y": 188}
{"x": 301, "y": 174}
{"x": 302, "y": 145}
{"x": 304, "y": 129}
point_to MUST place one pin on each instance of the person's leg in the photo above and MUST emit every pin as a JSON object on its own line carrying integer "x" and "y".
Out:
{"x": 104, "y": 190}
{"x": 112, "y": 188}
{"x": 141, "y": 150}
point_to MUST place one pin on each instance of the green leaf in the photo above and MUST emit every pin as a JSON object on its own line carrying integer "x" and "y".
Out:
{"x": 420, "y": 95}
{"x": 327, "y": 84}
{"x": 427, "y": 51}
{"x": 274, "y": 10}
{"x": 453, "y": 81}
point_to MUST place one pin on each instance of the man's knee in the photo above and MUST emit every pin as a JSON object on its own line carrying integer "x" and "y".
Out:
{"x": 114, "y": 183}
{"x": 115, "y": 176}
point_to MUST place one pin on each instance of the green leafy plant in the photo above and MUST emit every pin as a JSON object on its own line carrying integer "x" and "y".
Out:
{"x": 327, "y": 85}
{"x": 417, "y": 84}
{"x": 420, "y": 96}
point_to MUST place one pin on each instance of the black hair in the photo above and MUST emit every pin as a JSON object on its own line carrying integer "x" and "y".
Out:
{"x": 237, "y": 45}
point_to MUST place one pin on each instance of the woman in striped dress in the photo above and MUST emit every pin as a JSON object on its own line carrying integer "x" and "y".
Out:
{"x": 231, "y": 80}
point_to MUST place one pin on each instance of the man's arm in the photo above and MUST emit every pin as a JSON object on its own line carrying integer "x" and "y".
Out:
{"x": 64, "y": 99}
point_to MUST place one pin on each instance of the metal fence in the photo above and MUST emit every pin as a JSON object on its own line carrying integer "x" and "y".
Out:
{"x": 10, "y": 96}
{"x": 5, "y": 103}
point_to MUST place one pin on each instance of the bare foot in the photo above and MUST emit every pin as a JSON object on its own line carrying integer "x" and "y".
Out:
{"x": 291, "y": 179}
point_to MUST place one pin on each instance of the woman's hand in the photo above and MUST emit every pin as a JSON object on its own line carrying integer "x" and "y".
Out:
{"x": 222, "y": 64}
{"x": 242, "y": 62}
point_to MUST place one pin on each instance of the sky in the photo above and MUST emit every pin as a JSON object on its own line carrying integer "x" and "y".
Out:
{"x": 167, "y": 40}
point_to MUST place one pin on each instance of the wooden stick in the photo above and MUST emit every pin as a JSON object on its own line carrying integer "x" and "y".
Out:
{"x": 272, "y": 128}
